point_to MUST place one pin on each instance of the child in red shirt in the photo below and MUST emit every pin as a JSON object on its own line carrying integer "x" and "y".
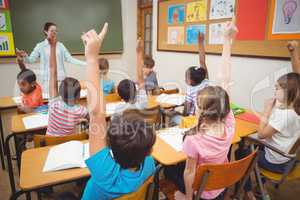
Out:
{"x": 31, "y": 91}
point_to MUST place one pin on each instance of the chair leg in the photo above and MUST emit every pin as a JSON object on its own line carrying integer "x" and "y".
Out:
{"x": 39, "y": 195}
{"x": 28, "y": 196}
{"x": 265, "y": 196}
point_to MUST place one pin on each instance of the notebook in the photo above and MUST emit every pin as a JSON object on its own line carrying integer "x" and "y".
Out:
{"x": 249, "y": 117}
{"x": 236, "y": 109}
{"x": 66, "y": 156}
{"x": 36, "y": 121}
{"x": 173, "y": 136}
{"x": 174, "y": 99}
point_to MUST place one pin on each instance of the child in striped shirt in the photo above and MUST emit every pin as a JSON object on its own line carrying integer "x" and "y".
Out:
{"x": 64, "y": 111}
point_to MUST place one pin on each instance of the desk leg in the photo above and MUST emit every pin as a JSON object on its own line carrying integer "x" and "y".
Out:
{"x": 2, "y": 143}
{"x": 2, "y": 155}
{"x": 28, "y": 196}
{"x": 9, "y": 164}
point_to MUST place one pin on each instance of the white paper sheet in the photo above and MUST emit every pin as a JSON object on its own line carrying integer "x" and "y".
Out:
{"x": 173, "y": 136}
{"x": 65, "y": 156}
{"x": 221, "y": 9}
{"x": 17, "y": 100}
{"x": 173, "y": 99}
{"x": 35, "y": 121}
{"x": 113, "y": 108}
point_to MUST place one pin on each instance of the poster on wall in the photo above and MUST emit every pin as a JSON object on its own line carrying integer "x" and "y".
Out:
{"x": 3, "y": 4}
{"x": 196, "y": 11}
{"x": 286, "y": 17}
{"x": 192, "y": 32}
{"x": 221, "y": 9}
{"x": 216, "y": 33}
{"x": 176, "y": 35}
{"x": 5, "y": 24}
{"x": 176, "y": 14}
{"x": 6, "y": 44}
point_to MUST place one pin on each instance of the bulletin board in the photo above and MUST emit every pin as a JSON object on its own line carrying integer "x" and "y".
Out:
{"x": 265, "y": 26}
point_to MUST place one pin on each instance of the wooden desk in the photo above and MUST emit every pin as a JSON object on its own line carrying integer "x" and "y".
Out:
{"x": 7, "y": 102}
{"x": 166, "y": 155}
{"x": 33, "y": 177}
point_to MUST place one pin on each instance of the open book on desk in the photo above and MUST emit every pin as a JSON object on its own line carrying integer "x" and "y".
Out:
{"x": 66, "y": 156}
{"x": 173, "y": 136}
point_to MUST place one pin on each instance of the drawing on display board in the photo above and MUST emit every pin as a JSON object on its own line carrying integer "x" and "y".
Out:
{"x": 220, "y": 9}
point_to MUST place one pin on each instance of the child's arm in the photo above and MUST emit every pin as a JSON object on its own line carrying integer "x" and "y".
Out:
{"x": 140, "y": 58}
{"x": 20, "y": 61}
{"x": 53, "y": 68}
{"x": 189, "y": 176}
{"x": 225, "y": 71}
{"x": 293, "y": 49}
{"x": 264, "y": 129}
{"x": 201, "y": 50}
{"x": 95, "y": 97}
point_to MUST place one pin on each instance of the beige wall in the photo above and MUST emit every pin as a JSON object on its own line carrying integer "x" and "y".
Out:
{"x": 120, "y": 64}
{"x": 249, "y": 75}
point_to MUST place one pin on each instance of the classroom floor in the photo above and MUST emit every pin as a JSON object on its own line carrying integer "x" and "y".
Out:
{"x": 289, "y": 190}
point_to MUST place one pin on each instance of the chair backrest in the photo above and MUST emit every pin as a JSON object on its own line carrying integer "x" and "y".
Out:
{"x": 217, "y": 176}
{"x": 141, "y": 193}
{"x": 113, "y": 97}
{"x": 296, "y": 148}
{"x": 171, "y": 91}
{"x": 46, "y": 140}
{"x": 150, "y": 115}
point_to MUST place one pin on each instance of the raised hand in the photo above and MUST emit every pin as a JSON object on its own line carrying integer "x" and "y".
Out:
{"x": 140, "y": 46}
{"x": 292, "y": 45}
{"x": 200, "y": 39}
{"x": 92, "y": 42}
{"x": 21, "y": 53}
{"x": 52, "y": 41}
{"x": 230, "y": 29}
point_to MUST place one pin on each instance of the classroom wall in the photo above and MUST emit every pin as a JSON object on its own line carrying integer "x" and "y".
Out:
{"x": 250, "y": 76}
{"x": 120, "y": 64}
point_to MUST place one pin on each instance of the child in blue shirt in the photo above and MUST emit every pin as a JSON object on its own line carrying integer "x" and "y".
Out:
{"x": 108, "y": 85}
{"x": 120, "y": 161}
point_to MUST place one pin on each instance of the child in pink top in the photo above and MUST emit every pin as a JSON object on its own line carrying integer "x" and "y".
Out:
{"x": 210, "y": 140}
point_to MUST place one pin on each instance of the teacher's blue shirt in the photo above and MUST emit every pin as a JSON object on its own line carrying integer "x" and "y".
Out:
{"x": 42, "y": 51}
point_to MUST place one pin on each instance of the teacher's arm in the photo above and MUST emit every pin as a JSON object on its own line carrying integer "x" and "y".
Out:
{"x": 35, "y": 54}
{"x": 68, "y": 57}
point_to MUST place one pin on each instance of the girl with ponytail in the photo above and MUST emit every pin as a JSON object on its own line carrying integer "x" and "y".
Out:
{"x": 210, "y": 140}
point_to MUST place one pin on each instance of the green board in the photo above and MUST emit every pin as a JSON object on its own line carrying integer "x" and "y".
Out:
{"x": 73, "y": 17}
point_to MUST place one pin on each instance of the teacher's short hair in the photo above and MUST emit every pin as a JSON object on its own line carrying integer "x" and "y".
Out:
{"x": 47, "y": 25}
{"x": 69, "y": 89}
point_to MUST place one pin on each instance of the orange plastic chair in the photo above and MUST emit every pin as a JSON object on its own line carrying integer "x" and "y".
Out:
{"x": 150, "y": 115}
{"x": 292, "y": 170}
{"x": 217, "y": 176}
{"x": 171, "y": 91}
{"x": 143, "y": 193}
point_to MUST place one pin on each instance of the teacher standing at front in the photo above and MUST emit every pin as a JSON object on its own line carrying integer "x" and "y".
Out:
{"x": 42, "y": 51}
